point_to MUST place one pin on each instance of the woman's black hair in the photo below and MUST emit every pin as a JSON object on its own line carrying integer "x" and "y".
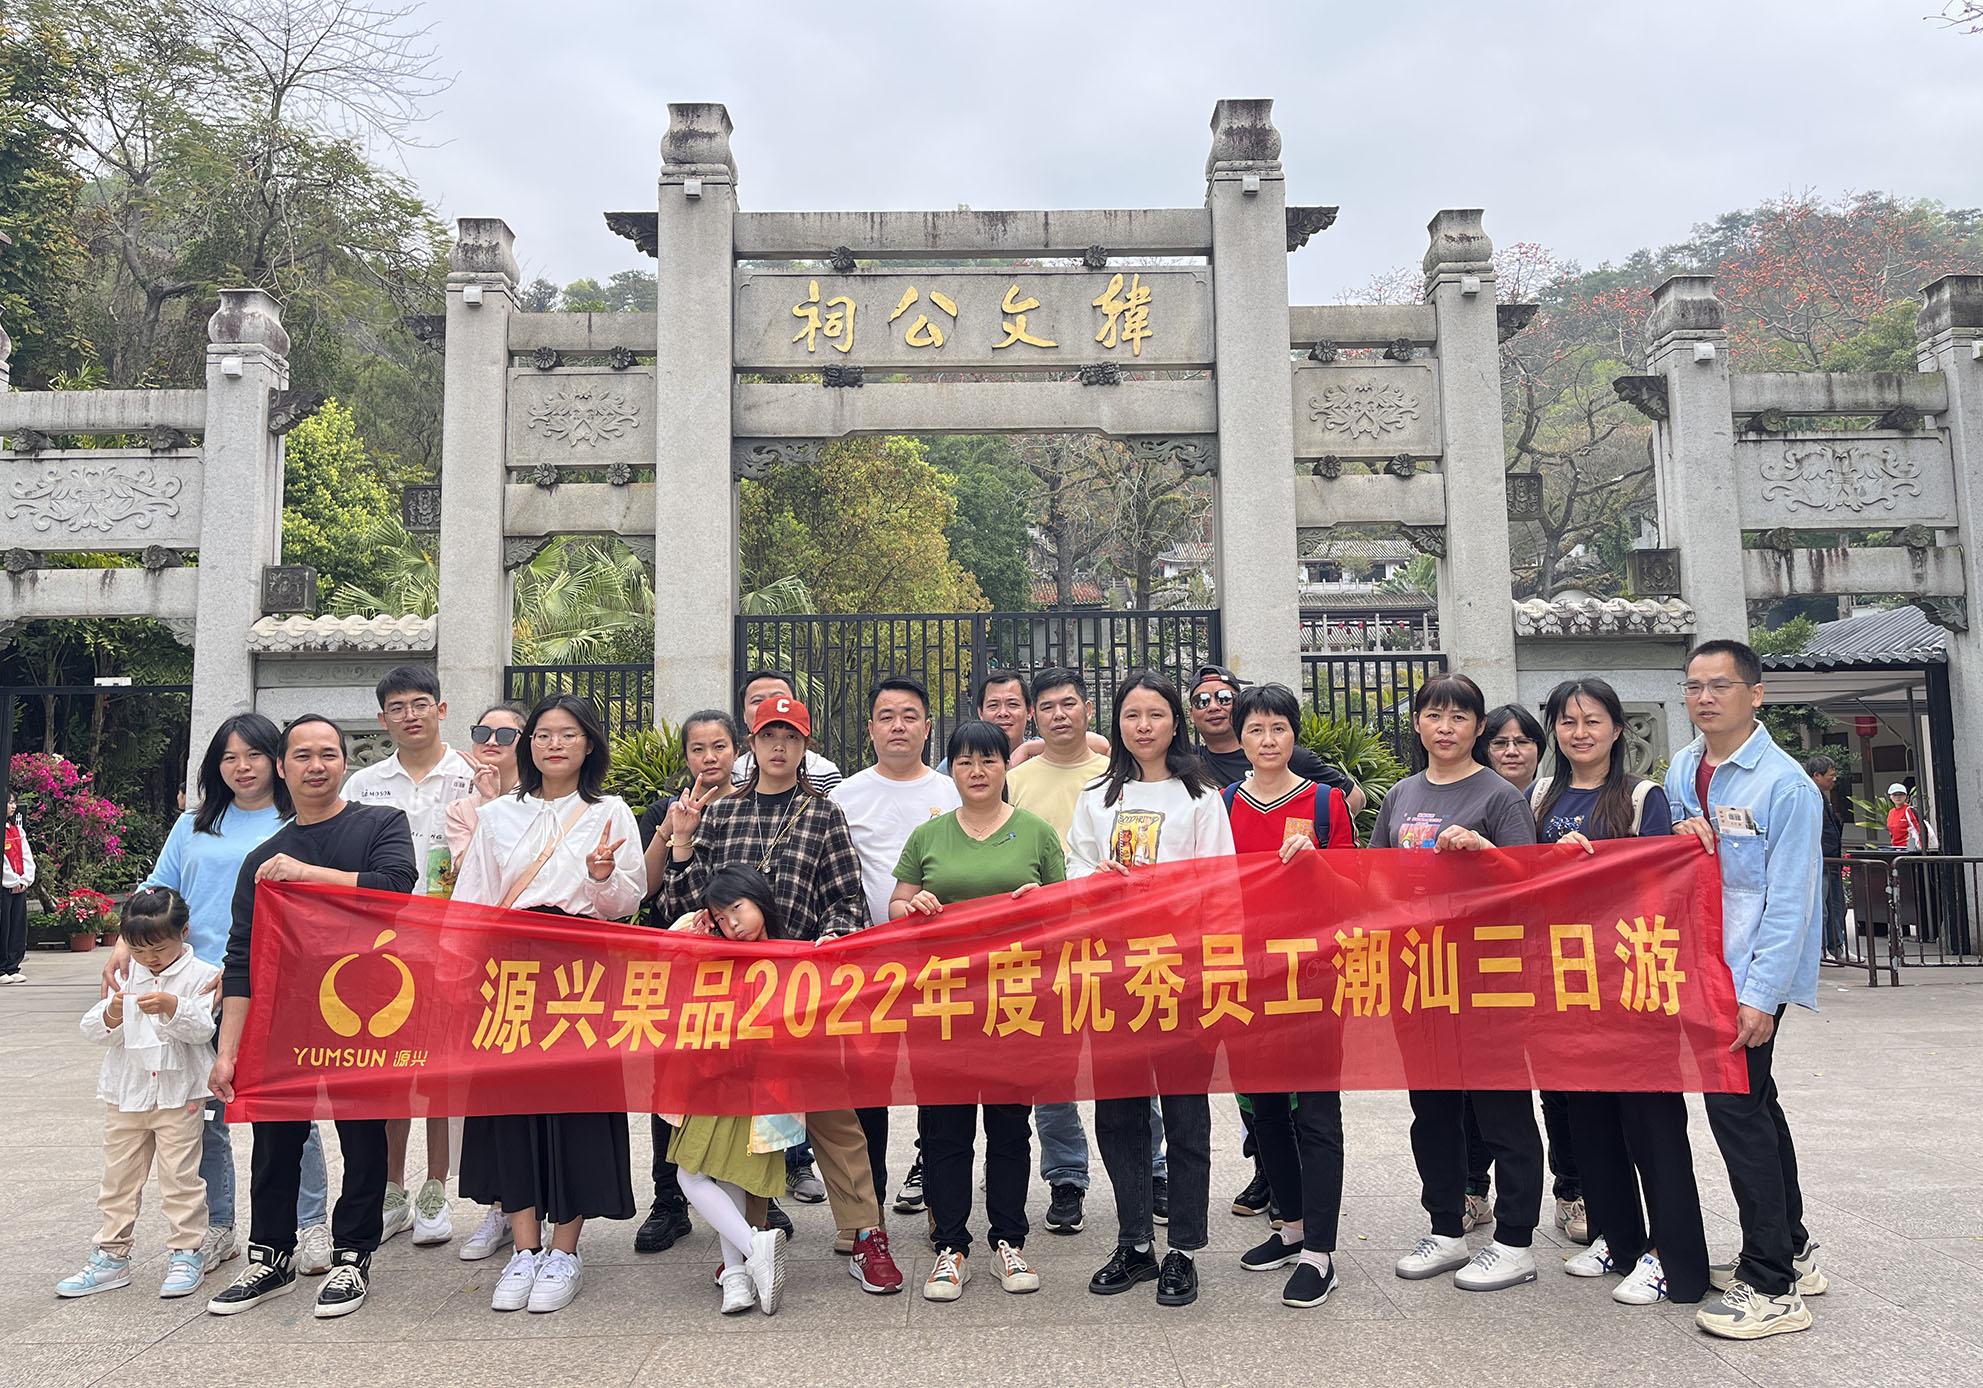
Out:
{"x": 153, "y": 915}
{"x": 1499, "y": 718}
{"x": 1447, "y": 690}
{"x": 216, "y": 795}
{"x": 598, "y": 755}
{"x": 712, "y": 715}
{"x": 1272, "y": 700}
{"x": 729, "y": 885}
{"x": 1611, "y": 815}
{"x": 978, "y": 738}
{"x": 516, "y": 711}
{"x": 1180, "y": 758}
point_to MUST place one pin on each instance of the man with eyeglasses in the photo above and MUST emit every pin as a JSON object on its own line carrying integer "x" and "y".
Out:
{"x": 421, "y": 778}
{"x": 1751, "y": 805}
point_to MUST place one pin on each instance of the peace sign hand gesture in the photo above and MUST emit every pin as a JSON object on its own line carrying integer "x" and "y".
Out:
{"x": 685, "y": 815}
{"x": 599, "y": 862}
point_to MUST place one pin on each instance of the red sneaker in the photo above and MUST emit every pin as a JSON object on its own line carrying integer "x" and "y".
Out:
{"x": 872, "y": 1266}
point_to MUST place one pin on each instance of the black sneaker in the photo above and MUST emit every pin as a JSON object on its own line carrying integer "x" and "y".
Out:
{"x": 1160, "y": 1199}
{"x": 1257, "y": 1196}
{"x": 1064, "y": 1210}
{"x": 1274, "y": 1215}
{"x": 1310, "y": 1286}
{"x": 775, "y": 1218}
{"x": 344, "y": 1290}
{"x": 1177, "y": 1284}
{"x": 268, "y": 1274}
{"x": 1271, "y": 1254}
{"x": 665, "y": 1223}
{"x": 1124, "y": 1269}
{"x": 909, "y": 1199}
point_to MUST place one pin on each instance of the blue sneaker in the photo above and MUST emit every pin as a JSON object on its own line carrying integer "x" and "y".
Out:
{"x": 102, "y": 1273}
{"x": 184, "y": 1273}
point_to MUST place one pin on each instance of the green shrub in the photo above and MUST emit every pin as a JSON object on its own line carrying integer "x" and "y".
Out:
{"x": 648, "y": 765}
{"x": 1362, "y": 754}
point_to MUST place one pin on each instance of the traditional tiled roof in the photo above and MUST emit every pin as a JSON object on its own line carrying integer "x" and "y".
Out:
{"x": 1327, "y": 597}
{"x": 1893, "y": 636}
{"x": 1354, "y": 549}
{"x": 340, "y": 635}
{"x": 1568, "y": 616}
{"x": 1087, "y": 593}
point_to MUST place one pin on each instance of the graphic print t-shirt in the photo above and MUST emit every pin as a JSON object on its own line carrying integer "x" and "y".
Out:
{"x": 1416, "y": 811}
{"x": 1572, "y": 812}
{"x": 1151, "y": 822}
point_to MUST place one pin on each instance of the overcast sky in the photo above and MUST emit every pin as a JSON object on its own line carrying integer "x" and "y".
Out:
{"x": 1589, "y": 126}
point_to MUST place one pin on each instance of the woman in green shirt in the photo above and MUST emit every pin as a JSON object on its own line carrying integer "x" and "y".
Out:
{"x": 985, "y": 847}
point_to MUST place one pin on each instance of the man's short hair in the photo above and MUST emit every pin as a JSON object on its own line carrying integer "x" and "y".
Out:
{"x": 900, "y": 684}
{"x": 751, "y": 677}
{"x": 1819, "y": 765}
{"x": 1003, "y": 677}
{"x": 1055, "y": 677}
{"x": 408, "y": 679}
{"x": 304, "y": 719}
{"x": 1747, "y": 665}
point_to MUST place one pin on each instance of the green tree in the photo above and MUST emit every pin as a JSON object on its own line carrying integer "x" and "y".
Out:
{"x": 988, "y": 535}
{"x": 333, "y": 501}
{"x": 43, "y": 261}
{"x": 1887, "y": 344}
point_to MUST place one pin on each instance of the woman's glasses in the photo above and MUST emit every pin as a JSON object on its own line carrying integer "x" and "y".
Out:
{"x": 502, "y": 737}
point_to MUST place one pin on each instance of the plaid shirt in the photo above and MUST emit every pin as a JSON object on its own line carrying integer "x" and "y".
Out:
{"x": 814, "y": 871}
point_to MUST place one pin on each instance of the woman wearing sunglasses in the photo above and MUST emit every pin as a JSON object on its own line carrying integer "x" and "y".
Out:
{"x": 494, "y": 737}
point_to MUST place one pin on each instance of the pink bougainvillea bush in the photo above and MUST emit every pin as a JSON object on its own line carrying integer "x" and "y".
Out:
{"x": 77, "y": 835}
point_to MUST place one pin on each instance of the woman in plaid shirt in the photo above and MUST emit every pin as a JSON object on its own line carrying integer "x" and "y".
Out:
{"x": 778, "y": 825}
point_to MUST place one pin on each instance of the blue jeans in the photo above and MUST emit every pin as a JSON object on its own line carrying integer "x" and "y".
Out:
{"x": 217, "y": 1170}
{"x": 1064, "y": 1144}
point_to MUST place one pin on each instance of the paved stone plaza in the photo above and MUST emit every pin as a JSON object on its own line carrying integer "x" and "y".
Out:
{"x": 1880, "y": 1090}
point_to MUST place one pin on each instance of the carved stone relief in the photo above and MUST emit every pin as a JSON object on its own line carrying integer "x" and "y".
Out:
{"x": 1850, "y": 478}
{"x": 85, "y": 499}
{"x": 755, "y": 458}
{"x": 1364, "y": 410}
{"x": 1360, "y": 409}
{"x": 586, "y": 415}
{"x": 581, "y": 416}
{"x": 1645, "y": 738}
{"x": 1844, "y": 480}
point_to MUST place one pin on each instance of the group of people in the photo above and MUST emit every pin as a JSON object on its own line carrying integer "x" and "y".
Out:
{"x": 768, "y": 840}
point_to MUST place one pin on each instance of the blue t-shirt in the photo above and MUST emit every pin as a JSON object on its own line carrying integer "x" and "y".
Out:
{"x": 1575, "y": 806}
{"x": 203, "y": 868}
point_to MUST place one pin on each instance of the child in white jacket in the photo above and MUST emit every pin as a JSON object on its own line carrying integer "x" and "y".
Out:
{"x": 158, "y": 1025}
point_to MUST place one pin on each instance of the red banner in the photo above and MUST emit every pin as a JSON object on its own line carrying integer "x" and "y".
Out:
{"x": 1509, "y": 969}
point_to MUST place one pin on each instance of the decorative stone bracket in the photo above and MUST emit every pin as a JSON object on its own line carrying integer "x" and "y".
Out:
{"x": 1653, "y": 573}
{"x": 289, "y": 588}
{"x": 842, "y": 377}
{"x": 1646, "y": 394}
{"x": 1426, "y": 539}
{"x": 641, "y": 228}
{"x": 1197, "y": 454}
{"x": 1949, "y": 613}
{"x": 420, "y": 507}
{"x": 289, "y": 408}
{"x": 1510, "y": 319}
{"x": 519, "y": 550}
{"x": 755, "y": 458}
{"x": 1304, "y": 222}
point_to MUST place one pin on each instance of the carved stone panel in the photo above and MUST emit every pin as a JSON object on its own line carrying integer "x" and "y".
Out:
{"x": 1845, "y": 481}
{"x": 100, "y": 499}
{"x": 954, "y": 319}
{"x": 581, "y": 417}
{"x": 1358, "y": 409}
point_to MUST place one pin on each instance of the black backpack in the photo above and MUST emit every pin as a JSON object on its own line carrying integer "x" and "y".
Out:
{"x": 1322, "y": 798}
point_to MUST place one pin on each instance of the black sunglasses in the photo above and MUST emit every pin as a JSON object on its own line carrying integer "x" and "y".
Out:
{"x": 1222, "y": 697}
{"x": 504, "y": 737}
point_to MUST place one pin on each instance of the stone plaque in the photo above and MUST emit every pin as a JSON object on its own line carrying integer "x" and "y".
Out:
{"x": 581, "y": 416}
{"x": 100, "y": 499}
{"x": 974, "y": 319}
{"x": 1845, "y": 481}
{"x": 1360, "y": 409}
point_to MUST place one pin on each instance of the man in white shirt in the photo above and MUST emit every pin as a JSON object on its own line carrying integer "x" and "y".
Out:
{"x": 883, "y": 804}
{"x": 755, "y": 688}
{"x": 421, "y": 778}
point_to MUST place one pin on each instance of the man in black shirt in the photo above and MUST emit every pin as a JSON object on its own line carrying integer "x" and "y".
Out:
{"x": 1213, "y": 690}
{"x": 341, "y": 844}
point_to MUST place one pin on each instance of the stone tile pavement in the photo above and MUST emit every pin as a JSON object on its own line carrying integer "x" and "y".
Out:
{"x": 1881, "y": 1089}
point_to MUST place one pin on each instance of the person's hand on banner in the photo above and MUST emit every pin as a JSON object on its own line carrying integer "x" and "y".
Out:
{"x": 1457, "y": 838}
{"x": 283, "y": 868}
{"x": 1293, "y": 845}
{"x": 1023, "y": 888}
{"x": 1573, "y": 837}
{"x": 1700, "y": 829}
{"x": 925, "y": 903}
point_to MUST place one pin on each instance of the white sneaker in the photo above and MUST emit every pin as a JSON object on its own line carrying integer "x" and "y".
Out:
{"x": 947, "y": 1278}
{"x": 398, "y": 1212}
{"x": 1495, "y": 1268}
{"x": 519, "y": 1276}
{"x": 738, "y": 1294}
{"x": 559, "y": 1277}
{"x": 219, "y": 1246}
{"x": 1574, "y": 1220}
{"x": 1594, "y": 1261}
{"x": 1013, "y": 1272}
{"x": 1432, "y": 1255}
{"x": 1644, "y": 1285}
{"x": 1811, "y": 1280}
{"x": 313, "y": 1250}
{"x": 490, "y": 1235}
{"x": 767, "y": 1269}
{"x": 432, "y": 1223}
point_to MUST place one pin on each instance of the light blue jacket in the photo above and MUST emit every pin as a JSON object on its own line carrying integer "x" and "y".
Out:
{"x": 1772, "y": 913}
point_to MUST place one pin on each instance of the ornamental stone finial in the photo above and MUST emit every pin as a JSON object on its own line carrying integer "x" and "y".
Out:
{"x": 484, "y": 246}
{"x": 1953, "y": 301}
{"x": 1244, "y": 137}
{"x": 1459, "y": 244}
{"x": 248, "y": 318}
{"x": 1684, "y": 306}
{"x": 698, "y": 140}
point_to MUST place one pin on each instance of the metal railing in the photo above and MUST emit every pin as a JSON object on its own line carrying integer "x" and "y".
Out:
{"x": 838, "y": 659}
{"x": 1375, "y": 690}
{"x": 623, "y": 694}
{"x": 1925, "y": 904}
{"x": 1322, "y": 634}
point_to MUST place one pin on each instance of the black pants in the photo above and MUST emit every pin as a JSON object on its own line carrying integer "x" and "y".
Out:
{"x": 276, "y": 1176}
{"x": 13, "y": 931}
{"x": 1479, "y": 1159}
{"x": 1567, "y": 1183}
{"x": 667, "y": 1187}
{"x": 1755, "y": 1144}
{"x": 1122, "y": 1131}
{"x": 1301, "y": 1148}
{"x": 1439, "y": 1146}
{"x": 874, "y": 1123}
{"x": 949, "y": 1136}
{"x": 1633, "y": 1142}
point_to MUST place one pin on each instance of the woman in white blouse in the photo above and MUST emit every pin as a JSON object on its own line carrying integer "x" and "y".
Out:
{"x": 561, "y": 846}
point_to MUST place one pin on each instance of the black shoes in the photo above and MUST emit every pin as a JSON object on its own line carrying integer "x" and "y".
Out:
{"x": 344, "y": 1290}
{"x": 1064, "y": 1215}
{"x": 1125, "y": 1269}
{"x": 1309, "y": 1286}
{"x": 1160, "y": 1199}
{"x": 1257, "y": 1196}
{"x": 775, "y": 1218}
{"x": 269, "y": 1274}
{"x": 1177, "y": 1284}
{"x": 665, "y": 1223}
{"x": 1271, "y": 1254}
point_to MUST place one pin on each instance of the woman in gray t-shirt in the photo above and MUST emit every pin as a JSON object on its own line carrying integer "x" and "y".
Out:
{"x": 1456, "y": 803}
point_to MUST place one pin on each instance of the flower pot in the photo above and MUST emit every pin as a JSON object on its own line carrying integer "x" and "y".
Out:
{"x": 79, "y": 943}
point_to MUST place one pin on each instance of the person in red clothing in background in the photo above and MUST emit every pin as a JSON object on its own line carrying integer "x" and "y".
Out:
{"x": 1906, "y": 829}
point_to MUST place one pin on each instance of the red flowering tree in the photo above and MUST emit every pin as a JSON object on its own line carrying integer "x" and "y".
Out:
{"x": 75, "y": 833}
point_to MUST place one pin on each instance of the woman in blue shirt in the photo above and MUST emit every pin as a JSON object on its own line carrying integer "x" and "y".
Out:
{"x": 1624, "y": 1142}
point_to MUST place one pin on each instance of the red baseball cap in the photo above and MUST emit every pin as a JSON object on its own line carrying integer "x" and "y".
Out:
{"x": 783, "y": 708}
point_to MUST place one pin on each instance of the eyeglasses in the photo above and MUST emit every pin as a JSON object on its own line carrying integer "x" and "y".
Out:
{"x": 1510, "y": 744}
{"x": 502, "y": 737}
{"x": 1222, "y": 697}
{"x": 1693, "y": 689}
{"x": 544, "y": 739}
{"x": 419, "y": 708}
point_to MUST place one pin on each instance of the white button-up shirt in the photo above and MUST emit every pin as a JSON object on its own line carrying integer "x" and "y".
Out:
{"x": 156, "y": 1062}
{"x": 424, "y": 802}
{"x": 511, "y": 833}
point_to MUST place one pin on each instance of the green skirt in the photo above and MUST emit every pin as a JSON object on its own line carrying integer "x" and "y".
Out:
{"x": 720, "y": 1148}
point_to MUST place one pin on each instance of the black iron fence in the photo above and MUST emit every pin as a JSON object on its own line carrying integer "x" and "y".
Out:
{"x": 1375, "y": 690}
{"x": 837, "y": 659}
{"x": 1924, "y": 904}
{"x": 623, "y": 694}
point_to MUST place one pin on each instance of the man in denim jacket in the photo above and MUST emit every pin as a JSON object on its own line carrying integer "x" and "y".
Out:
{"x": 1750, "y": 803}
